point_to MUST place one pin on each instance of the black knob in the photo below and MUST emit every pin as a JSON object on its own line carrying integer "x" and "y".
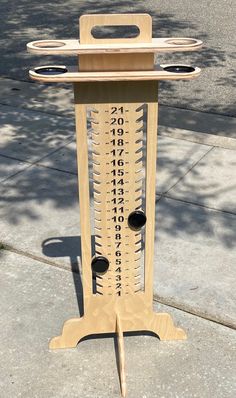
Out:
{"x": 100, "y": 264}
{"x": 51, "y": 70}
{"x": 137, "y": 220}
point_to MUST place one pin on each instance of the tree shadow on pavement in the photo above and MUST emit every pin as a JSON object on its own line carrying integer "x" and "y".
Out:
{"x": 32, "y": 136}
{"x": 48, "y": 186}
{"x": 70, "y": 247}
{"x": 25, "y": 22}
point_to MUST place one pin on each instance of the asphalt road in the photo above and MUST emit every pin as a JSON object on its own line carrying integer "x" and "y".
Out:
{"x": 212, "y": 21}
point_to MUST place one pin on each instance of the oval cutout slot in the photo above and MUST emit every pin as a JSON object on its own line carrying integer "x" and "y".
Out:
{"x": 179, "y": 69}
{"x": 181, "y": 42}
{"x": 115, "y": 32}
{"x": 49, "y": 44}
{"x": 50, "y": 70}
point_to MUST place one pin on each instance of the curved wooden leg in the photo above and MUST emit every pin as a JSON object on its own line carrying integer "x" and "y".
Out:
{"x": 72, "y": 332}
{"x": 163, "y": 325}
{"x": 76, "y": 328}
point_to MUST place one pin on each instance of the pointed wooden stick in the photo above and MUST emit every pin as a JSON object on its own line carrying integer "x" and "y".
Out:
{"x": 121, "y": 356}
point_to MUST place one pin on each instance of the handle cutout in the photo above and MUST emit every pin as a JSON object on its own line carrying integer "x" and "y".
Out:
{"x": 115, "y": 32}
{"x": 112, "y": 28}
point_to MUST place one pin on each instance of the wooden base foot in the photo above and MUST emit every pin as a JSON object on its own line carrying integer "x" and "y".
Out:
{"x": 164, "y": 327}
{"x": 105, "y": 321}
{"x": 117, "y": 316}
{"x": 73, "y": 331}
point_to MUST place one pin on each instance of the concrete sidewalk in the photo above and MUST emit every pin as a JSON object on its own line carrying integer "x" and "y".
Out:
{"x": 213, "y": 91}
{"x": 38, "y": 298}
{"x": 195, "y": 256}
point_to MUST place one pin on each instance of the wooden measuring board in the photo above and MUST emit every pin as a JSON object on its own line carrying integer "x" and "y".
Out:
{"x": 117, "y": 176}
{"x": 116, "y": 92}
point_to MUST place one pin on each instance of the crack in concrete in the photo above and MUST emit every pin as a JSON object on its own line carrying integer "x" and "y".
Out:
{"x": 188, "y": 171}
{"x": 37, "y": 162}
{"x": 196, "y": 204}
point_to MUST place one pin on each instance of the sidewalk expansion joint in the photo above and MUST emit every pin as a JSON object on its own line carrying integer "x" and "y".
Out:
{"x": 157, "y": 299}
{"x": 181, "y": 138}
{"x": 34, "y": 110}
{"x": 197, "y": 110}
{"x": 55, "y": 168}
{"x": 188, "y": 171}
{"x": 195, "y": 204}
{"x": 37, "y": 162}
{"x": 198, "y": 137}
{"x": 7, "y": 247}
{"x": 188, "y": 310}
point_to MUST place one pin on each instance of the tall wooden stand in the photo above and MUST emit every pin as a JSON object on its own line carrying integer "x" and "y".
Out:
{"x": 117, "y": 83}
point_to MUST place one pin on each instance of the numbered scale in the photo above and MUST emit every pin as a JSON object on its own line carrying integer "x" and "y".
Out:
{"x": 116, "y": 108}
{"x": 117, "y": 172}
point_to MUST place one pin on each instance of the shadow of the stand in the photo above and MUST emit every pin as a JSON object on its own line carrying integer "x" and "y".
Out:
{"x": 68, "y": 246}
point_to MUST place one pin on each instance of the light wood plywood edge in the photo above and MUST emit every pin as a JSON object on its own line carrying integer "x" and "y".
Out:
{"x": 73, "y": 76}
{"x": 101, "y": 317}
{"x": 74, "y": 47}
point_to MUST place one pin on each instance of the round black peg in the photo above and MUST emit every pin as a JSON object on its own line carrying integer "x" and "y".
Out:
{"x": 51, "y": 70}
{"x": 179, "y": 69}
{"x": 137, "y": 220}
{"x": 100, "y": 264}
